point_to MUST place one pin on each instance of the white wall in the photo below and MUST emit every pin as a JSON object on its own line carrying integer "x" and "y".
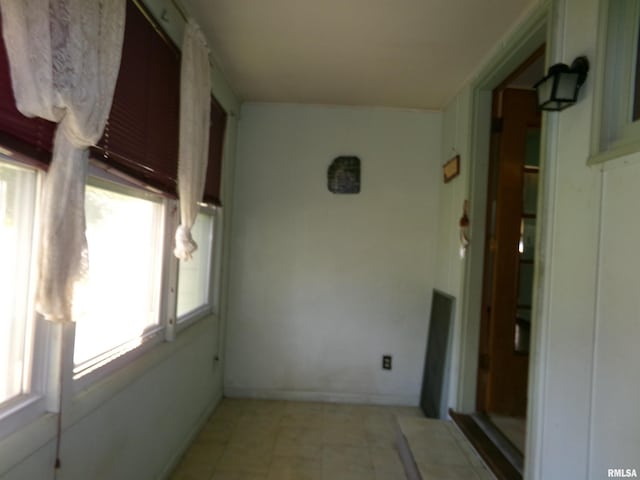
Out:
{"x": 452, "y": 196}
{"x": 617, "y": 356}
{"x": 450, "y": 265}
{"x": 322, "y": 285}
{"x": 592, "y": 386}
{"x": 567, "y": 317}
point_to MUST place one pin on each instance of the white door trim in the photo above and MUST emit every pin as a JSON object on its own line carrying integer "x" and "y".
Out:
{"x": 535, "y": 30}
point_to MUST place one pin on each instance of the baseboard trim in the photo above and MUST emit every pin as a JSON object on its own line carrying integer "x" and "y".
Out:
{"x": 329, "y": 397}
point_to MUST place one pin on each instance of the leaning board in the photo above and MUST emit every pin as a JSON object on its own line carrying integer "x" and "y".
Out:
{"x": 433, "y": 396}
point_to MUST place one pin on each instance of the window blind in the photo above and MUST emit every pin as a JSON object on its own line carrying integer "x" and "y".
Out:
{"x": 141, "y": 136}
{"x": 216, "y": 144}
{"x": 32, "y": 137}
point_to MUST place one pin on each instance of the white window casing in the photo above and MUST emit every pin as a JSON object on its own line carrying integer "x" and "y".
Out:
{"x": 615, "y": 133}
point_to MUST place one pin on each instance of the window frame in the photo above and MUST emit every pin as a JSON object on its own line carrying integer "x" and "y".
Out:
{"x": 615, "y": 133}
{"x": 42, "y": 397}
{"x": 120, "y": 356}
{"x": 216, "y": 282}
{"x": 210, "y": 307}
{"x": 32, "y": 403}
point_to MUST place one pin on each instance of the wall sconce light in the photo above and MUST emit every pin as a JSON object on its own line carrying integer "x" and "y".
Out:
{"x": 559, "y": 89}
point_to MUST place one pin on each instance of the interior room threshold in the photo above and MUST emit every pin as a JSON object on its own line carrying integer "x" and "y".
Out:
{"x": 504, "y": 459}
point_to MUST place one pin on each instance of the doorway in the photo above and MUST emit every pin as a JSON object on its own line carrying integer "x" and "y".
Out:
{"x": 519, "y": 47}
{"x": 508, "y": 281}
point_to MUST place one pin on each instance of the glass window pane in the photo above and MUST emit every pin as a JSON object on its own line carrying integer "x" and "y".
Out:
{"x": 17, "y": 207}
{"x": 118, "y": 302}
{"x": 528, "y": 238}
{"x": 525, "y": 284}
{"x": 194, "y": 275}
{"x": 532, "y": 148}
{"x": 530, "y": 193}
{"x": 522, "y": 330}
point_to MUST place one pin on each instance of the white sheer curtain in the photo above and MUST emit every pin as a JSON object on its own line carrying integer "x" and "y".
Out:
{"x": 64, "y": 57}
{"x": 195, "y": 106}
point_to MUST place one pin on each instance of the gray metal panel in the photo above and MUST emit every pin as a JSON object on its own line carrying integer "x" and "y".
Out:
{"x": 433, "y": 398}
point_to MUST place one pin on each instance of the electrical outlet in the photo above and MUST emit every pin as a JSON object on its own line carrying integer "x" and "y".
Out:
{"x": 386, "y": 362}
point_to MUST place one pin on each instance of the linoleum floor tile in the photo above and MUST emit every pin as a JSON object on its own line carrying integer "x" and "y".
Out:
{"x": 290, "y": 468}
{"x": 277, "y": 440}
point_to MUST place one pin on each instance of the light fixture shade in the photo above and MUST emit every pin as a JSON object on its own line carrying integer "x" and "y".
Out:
{"x": 559, "y": 89}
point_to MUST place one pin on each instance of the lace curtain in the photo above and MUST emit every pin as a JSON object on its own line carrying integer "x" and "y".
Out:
{"x": 64, "y": 57}
{"x": 195, "y": 106}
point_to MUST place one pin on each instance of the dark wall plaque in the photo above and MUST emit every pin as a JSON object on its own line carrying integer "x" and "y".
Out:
{"x": 343, "y": 175}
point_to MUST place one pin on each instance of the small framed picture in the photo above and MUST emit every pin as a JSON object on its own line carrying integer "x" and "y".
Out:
{"x": 451, "y": 169}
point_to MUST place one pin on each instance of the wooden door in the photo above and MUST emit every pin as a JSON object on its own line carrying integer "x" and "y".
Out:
{"x": 504, "y": 360}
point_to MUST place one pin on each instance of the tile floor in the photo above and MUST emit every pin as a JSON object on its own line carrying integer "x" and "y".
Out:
{"x": 441, "y": 451}
{"x": 281, "y": 440}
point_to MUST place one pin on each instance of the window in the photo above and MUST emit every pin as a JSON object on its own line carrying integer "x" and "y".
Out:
{"x": 194, "y": 276}
{"x": 617, "y": 106}
{"x": 129, "y": 296}
{"x": 117, "y": 306}
{"x": 18, "y": 194}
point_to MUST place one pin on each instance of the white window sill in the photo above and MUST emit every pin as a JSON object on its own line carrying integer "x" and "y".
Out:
{"x": 24, "y": 428}
{"x": 616, "y": 152}
{"x": 91, "y": 394}
{"x": 194, "y": 316}
{"x": 19, "y": 411}
{"x": 115, "y": 360}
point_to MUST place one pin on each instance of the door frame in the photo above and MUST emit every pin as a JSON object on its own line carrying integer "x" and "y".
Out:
{"x": 537, "y": 29}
